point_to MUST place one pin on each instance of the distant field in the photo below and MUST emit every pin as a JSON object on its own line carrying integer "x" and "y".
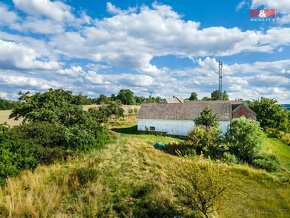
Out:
{"x": 125, "y": 107}
{"x": 4, "y": 117}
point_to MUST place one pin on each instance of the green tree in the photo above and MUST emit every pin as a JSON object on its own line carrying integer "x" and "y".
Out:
{"x": 193, "y": 97}
{"x": 158, "y": 99}
{"x": 104, "y": 112}
{"x": 113, "y": 97}
{"x": 139, "y": 100}
{"x": 215, "y": 95}
{"x": 206, "y": 98}
{"x": 245, "y": 137}
{"x": 207, "y": 118}
{"x": 126, "y": 96}
{"x": 202, "y": 185}
{"x": 79, "y": 129}
{"x": 102, "y": 99}
{"x": 270, "y": 114}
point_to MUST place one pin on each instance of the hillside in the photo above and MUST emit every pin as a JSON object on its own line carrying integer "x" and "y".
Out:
{"x": 131, "y": 181}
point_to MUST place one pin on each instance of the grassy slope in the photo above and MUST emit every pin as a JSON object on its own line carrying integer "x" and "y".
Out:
{"x": 132, "y": 176}
{"x": 274, "y": 145}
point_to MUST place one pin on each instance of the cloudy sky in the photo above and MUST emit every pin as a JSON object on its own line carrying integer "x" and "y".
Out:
{"x": 163, "y": 48}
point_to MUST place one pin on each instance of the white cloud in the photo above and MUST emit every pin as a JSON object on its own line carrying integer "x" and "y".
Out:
{"x": 7, "y": 17}
{"x": 18, "y": 56}
{"x": 73, "y": 71}
{"x": 56, "y": 10}
{"x": 35, "y": 25}
{"x": 17, "y": 80}
{"x": 132, "y": 39}
{"x": 240, "y": 5}
{"x": 129, "y": 80}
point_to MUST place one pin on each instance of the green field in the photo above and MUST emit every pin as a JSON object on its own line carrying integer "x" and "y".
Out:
{"x": 132, "y": 181}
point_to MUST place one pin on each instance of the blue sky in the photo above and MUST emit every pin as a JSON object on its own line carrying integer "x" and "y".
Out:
{"x": 161, "y": 47}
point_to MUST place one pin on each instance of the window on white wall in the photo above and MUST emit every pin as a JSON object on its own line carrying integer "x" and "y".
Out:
{"x": 152, "y": 128}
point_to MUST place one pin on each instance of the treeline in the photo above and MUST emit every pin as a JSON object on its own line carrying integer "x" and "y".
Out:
{"x": 215, "y": 95}
{"x": 54, "y": 126}
{"x": 126, "y": 97}
{"x": 8, "y": 105}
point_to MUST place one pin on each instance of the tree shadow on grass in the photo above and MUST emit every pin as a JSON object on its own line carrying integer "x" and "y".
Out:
{"x": 127, "y": 130}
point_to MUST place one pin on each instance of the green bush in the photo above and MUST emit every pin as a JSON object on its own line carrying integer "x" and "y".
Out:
{"x": 14, "y": 156}
{"x": 269, "y": 162}
{"x": 180, "y": 148}
{"x": 204, "y": 138}
{"x": 229, "y": 158}
{"x": 245, "y": 137}
{"x": 104, "y": 112}
{"x": 40, "y": 133}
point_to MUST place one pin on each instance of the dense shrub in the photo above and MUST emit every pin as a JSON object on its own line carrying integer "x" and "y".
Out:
{"x": 40, "y": 133}
{"x": 269, "y": 162}
{"x": 204, "y": 138}
{"x": 229, "y": 158}
{"x": 180, "y": 148}
{"x": 245, "y": 137}
{"x": 104, "y": 112}
{"x": 78, "y": 138}
{"x": 14, "y": 156}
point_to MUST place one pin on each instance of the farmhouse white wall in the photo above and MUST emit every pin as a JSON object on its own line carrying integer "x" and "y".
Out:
{"x": 173, "y": 127}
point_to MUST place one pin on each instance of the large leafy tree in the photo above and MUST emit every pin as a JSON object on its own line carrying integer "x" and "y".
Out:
{"x": 207, "y": 118}
{"x": 80, "y": 130}
{"x": 126, "y": 96}
{"x": 270, "y": 114}
{"x": 193, "y": 96}
{"x": 215, "y": 95}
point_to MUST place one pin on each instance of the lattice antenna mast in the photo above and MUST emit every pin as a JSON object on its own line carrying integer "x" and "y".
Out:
{"x": 220, "y": 80}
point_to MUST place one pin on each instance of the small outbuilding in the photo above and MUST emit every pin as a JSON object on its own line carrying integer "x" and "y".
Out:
{"x": 177, "y": 118}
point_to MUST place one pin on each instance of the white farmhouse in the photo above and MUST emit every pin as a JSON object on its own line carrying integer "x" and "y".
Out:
{"x": 177, "y": 118}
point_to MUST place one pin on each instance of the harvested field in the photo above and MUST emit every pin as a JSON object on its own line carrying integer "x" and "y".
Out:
{"x": 125, "y": 107}
{"x": 4, "y": 117}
